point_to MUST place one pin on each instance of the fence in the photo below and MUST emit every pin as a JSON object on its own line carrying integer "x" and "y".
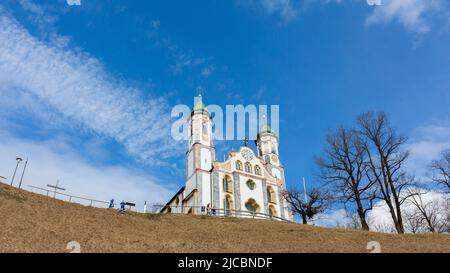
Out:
{"x": 197, "y": 210}
{"x": 70, "y": 197}
{"x": 215, "y": 212}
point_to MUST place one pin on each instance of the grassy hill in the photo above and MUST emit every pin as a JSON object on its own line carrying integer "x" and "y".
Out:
{"x": 34, "y": 223}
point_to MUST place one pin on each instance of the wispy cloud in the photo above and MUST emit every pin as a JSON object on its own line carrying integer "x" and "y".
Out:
{"x": 41, "y": 16}
{"x": 75, "y": 86}
{"x": 284, "y": 8}
{"x": 156, "y": 24}
{"x": 38, "y": 13}
{"x": 414, "y": 15}
{"x": 208, "y": 71}
{"x": 56, "y": 159}
{"x": 425, "y": 145}
{"x": 181, "y": 57}
{"x": 335, "y": 218}
{"x": 262, "y": 90}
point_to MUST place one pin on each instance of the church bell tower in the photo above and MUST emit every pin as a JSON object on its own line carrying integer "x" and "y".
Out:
{"x": 267, "y": 143}
{"x": 200, "y": 154}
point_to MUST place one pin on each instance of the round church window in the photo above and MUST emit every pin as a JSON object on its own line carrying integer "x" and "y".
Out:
{"x": 251, "y": 184}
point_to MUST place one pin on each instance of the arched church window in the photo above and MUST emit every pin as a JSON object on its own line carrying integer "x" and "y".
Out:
{"x": 272, "y": 211}
{"x": 248, "y": 167}
{"x": 274, "y": 149}
{"x": 271, "y": 195}
{"x": 205, "y": 128}
{"x": 227, "y": 184}
{"x": 257, "y": 170}
{"x": 228, "y": 205}
{"x": 267, "y": 159}
{"x": 252, "y": 206}
{"x": 239, "y": 165}
{"x": 251, "y": 184}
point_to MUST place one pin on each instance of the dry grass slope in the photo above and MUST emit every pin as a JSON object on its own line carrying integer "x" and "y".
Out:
{"x": 35, "y": 223}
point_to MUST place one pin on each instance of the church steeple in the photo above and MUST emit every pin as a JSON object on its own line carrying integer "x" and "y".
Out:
{"x": 200, "y": 123}
{"x": 199, "y": 106}
{"x": 265, "y": 128}
{"x": 200, "y": 156}
{"x": 267, "y": 142}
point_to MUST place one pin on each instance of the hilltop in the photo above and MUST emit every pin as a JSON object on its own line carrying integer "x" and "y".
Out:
{"x": 34, "y": 223}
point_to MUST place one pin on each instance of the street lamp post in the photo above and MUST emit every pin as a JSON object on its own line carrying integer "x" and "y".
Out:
{"x": 15, "y": 170}
{"x": 23, "y": 172}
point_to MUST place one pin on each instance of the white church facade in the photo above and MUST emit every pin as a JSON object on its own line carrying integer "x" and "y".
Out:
{"x": 242, "y": 185}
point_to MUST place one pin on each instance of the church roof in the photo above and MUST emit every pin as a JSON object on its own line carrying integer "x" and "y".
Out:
{"x": 265, "y": 129}
{"x": 200, "y": 106}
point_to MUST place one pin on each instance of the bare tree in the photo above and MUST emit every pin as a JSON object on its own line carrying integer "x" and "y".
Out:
{"x": 351, "y": 220}
{"x": 316, "y": 202}
{"x": 354, "y": 220}
{"x": 413, "y": 221}
{"x": 385, "y": 158}
{"x": 384, "y": 228}
{"x": 425, "y": 213}
{"x": 343, "y": 168}
{"x": 441, "y": 170}
{"x": 446, "y": 225}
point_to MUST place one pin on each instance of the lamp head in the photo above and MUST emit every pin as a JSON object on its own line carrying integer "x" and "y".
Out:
{"x": 18, "y": 159}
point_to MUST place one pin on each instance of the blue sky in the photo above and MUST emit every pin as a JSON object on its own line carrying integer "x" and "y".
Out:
{"x": 87, "y": 90}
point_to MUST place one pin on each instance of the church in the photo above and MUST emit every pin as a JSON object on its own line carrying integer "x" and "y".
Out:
{"x": 245, "y": 184}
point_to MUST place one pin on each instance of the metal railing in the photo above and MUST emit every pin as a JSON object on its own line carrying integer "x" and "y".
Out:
{"x": 216, "y": 212}
{"x": 71, "y": 197}
{"x": 197, "y": 210}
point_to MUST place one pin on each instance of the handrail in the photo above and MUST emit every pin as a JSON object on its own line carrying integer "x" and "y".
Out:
{"x": 68, "y": 195}
{"x": 202, "y": 210}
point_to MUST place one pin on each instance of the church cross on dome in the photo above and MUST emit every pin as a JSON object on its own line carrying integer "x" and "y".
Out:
{"x": 246, "y": 141}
